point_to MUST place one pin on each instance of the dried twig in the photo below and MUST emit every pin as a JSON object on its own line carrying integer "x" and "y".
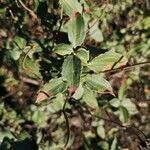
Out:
{"x": 27, "y": 9}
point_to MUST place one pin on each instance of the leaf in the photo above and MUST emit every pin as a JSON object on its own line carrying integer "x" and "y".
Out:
{"x": 15, "y": 53}
{"x": 98, "y": 83}
{"x": 57, "y": 103}
{"x": 63, "y": 49}
{"x": 95, "y": 33}
{"x": 30, "y": 67}
{"x": 20, "y": 42}
{"x": 4, "y": 134}
{"x": 71, "y": 70}
{"x": 123, "y": 114}
{"x": 78, "y": 93}
{"x": 39, "y": 118}
{"x": 104, "y": 145}
{"x": 115, "y": 102}
{"x": 146, "y": 22}
{"x": 130, "y": 106}
{"x": 101, "y": 131}
{"x": 104, "y": 61}
{"x": 114, "y": 145}
{"x": 71, "y": 6}
{"x": 76, "y": 30}
{"x": 89, "y": 97}
{"x": 83, "y": 54}
{"x": 55, "y": 86}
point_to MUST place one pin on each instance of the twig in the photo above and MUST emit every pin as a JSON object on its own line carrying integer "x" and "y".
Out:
{"x": 8, "y": 95}
{"x": 29, "y": 10}
{"x": 112, "y": 121}
{"x": 116, "y": 62}
{"x": 125, "y": 67}
{"x": 29, "y": 80}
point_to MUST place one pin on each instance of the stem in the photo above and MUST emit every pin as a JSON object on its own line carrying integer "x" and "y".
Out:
{"x": 125, "y": 67}
{"x": 26, "y": 8}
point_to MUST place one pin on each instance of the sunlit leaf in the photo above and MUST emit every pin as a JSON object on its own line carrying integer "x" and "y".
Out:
{"x": 130, "y": 106}
{"x": 76, "y": 30}
{"x": 63, "y": 49}
{"x": 115, "y": 102}
{"x": 123, "y": 114}
{"x": 89, "y": 97}
{"x": 98, "y": 83}
{"x": 101, "y": 131}
{"x": 104, "y": 61}
{"x": 20, "y": 42}
{"x": 71, "y": 70}
{"x": 95, "y": 33}
{"x": 55, "y": 86}
{"x": 57, "y": 103}
{"x": 71, "y": 6}
{"x": 114, "y": 144}
{"x": 83, "y": 54}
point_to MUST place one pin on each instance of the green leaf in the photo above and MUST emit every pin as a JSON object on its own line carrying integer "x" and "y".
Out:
{"x": 83, "y": 54}
{"x": 15, "y": 53}
{"x": 71, "y": 6}
{"x": 146, "y": 22}
{"x": 23, "y": 135}
{"x": 63, "y": 49}
{"x": 71, "y": 70}
{"x": 39, "y": 118}
{"x": 76, "y": 30}
{"x": 101, "y": 131}
{"x": 6, "y": 134}
{"x": 55, "y": 86}
{"x": 78, "y": 93}
{"x": 123, "y": 114}
{"x": 104, "y": 61}
{"x": 95, "y": 33}
{"x": 20, "y": 42}
{"x": 114, "y": 145}
{"x": 29, "y": 66}
{"x": 98, "y": 83}
{"x": 104, "y": 145}
{"x": 57, "y": 103}
{"x": 130, "y": 106}
{"x": 115, "y": 102}
{"x": 89, "y": 97}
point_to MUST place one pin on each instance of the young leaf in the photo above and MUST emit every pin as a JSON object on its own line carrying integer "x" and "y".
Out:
{"x": 71, "y": 70}
{"x": 83, "y": 54}
{"x": 76, "y": 30}
{"x": 98, "y": 83}
{"x": 104, "y": 61}
{"x": 71, "y": 6}
{"x": 89, "y": 97}
{"x": 63, "y": 49}
{"x": 55, "y": 86}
